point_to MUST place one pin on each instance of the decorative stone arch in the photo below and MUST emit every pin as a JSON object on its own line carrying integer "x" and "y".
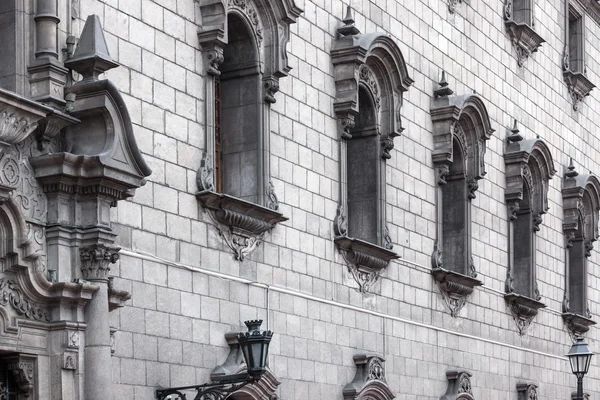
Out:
{"x": 461, "y": 128}
{"x": 369, "y": 382}
{"x": 370, "y": 78}
{"x": 243, "y": 206}
{"x": 459, "y": 386}
{"x": 529, "y": 168}
{"x": 581, "y": 205}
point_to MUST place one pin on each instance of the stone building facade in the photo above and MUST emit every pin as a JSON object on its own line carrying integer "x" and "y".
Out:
{"x": 405, "y": 192}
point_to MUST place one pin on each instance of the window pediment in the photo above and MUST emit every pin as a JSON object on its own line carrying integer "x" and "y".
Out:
{"x": 369, "y": 382}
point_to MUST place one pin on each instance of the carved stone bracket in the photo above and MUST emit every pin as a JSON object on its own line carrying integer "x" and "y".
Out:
{"x": 577, "y": 325}
{"x": 23, "y": 369}
{"x": 240, "y": 223}
{"x": 369, "y": 383}
{"x": 459, "y": 385}
{"x": 525, "y": 40}
{"x": 96, "y": 260}
{"x": 579, "y": 87}
{"x": 527, "y": 391}
{"x": 366, "y": 261}
{"x": 455, "y": 288}
{"x": 18, "y": 117}
{"x": 50, "y": 126}
{"x": 523, "y": 309}
{"x": 11, "y": 294}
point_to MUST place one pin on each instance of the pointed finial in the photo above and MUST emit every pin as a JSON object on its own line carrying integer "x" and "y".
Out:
{"x": 91, "y": 57}
{"x": 348, "y": 29}
{"x": 514, "y": 135}
{"x": 444, "y": 89}
{"x": 571, "y": 173}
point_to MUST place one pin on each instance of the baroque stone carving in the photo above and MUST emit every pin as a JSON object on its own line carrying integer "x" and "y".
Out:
{"x": 452, "y": 5}
{"x": 205, "y": 176}
{"x": 241, "y": 224}
{"x": 272, "y": 201}
{"x": 271, "y": 87}
{"x": 368, "y": 79}
{"x": 11, "y": 294}
{"x": 366, "y": 261}
{"x": 23, "y": 370}
{"x": 523, "y": 310}
{"x": 527, "y": 391}
{"x": 69, "y": 360}
{"x": 71, "y": 339}
{"x": 18, "y": 117}
{"x": 581, "y": 202}
{"x": 523, "y": 37}
{"x": 340, "y": 222}
{"x": 459, "y": 386}
{"x": 579, "y": 87}
{"x": 454, "y": 287}
{"x": 369, "y": 382}
{"x": 96, "y": 260}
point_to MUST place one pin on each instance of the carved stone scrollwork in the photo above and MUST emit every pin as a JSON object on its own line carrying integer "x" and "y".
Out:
{"x": 513, "y": 209}
{"x": 387, "y": 239}
{"x": 523, "y": 310}
{"x": 369, "y": 383}
{"x": 527, "y": 391}
{"x": 11, "y": 294}
{"x": 452, "y": 5}
{"x": 205, "y": 175}
{"x": 472, "y": 187}
{"x": 71, "y": 339}
{"x": 459, "y": 385}
{"x": 271, "y": 86}
{"x": 443, "y": 170}
{"x": 366, "y": 261}
{"x": 454, "y": 287}
{"x": 214, "y": 58}
{"x": 18, "y": 117}
{"x": 368, "y": 79}
{"x": 340, "y": 222}
{"x": 96, "y": 260}
{"x": 577, "y": 325}
{"x": 49, "y": 128}
{"x": 247, "y": 8}
{"x": 346, "y": 124}
{"x": 23, "y": 370}
{"x": 272, "y": 200}
{"x": 523, "y": 37}
{"x": 579, "y": 86}
{"x": 241, "y": 224}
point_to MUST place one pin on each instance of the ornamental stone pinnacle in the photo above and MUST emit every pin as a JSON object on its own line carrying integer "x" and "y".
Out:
{"x": 96, "y": 260}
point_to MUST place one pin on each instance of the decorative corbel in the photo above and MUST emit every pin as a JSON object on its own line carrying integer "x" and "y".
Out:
{"x": 459, "y": 386}
{"x": 369, "y": 381}
{"x": 23, "y": 369}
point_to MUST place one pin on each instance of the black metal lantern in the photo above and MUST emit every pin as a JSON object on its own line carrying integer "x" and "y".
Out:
{"x": 580, "y": 357}
{"x": 255, "y": 347}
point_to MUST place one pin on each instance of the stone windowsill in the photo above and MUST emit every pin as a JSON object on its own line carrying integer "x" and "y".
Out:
{"x": 364, "y": 254}
{"x": 577, "y": 324}
{"x": 523, "y": 305}
{"x": 455, "y": 282}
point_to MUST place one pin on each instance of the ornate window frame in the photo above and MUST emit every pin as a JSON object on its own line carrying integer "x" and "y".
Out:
{"x": 575, "y": 72}
{"x": 529, "y": 164}
{"x": 581, "y": 204}
{"x": 527, "y": 391}
{"x": 462, "y": 121}
{"x": 268, "y": 21}
{"x": 375, "y": 63}
{"x": 369, "y": 382}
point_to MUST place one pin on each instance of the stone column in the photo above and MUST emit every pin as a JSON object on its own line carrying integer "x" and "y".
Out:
{"x": 95, "y": 266}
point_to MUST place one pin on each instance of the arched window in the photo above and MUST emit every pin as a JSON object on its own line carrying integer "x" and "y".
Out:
{"x": 529, "y": 167}
{"x": 581, "y": 198}
{"x": 459, "y": 385}
{"x": 370, "y": 77}
{"x": 369, "y": 382}
{"x": 244, "y": 45}
{"x": 461, "y": 127}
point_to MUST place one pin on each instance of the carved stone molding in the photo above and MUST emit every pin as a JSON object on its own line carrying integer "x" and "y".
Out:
{"x": 527, "y": 391}
{"x": 523, "y": 310}
{"x": 11, "y": 294}
{"x": 524, "y": 39}
{"x": 49, "y": 128}
{"x": 70, "y": 360}
{"x": 459, "y": 386}
{"x": 366, "y": 261}
{"x": 23, "y": 369}
{"x": 577, "y": 325}
{"x": 369, "y": 382}
{"x": 241, "y": 224}
{"x": 18, "y": 117}
{"x": 96, "y": 260}
{"x": 579, "y": 87}
{"x": 455, "y": 288}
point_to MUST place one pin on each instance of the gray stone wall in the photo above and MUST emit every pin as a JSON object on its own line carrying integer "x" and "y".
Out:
{"x": 172, "y": 331}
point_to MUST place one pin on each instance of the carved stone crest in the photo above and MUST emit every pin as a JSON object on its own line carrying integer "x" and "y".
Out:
{"x": 369, "y": 382}
{"x": 459, "y": 385}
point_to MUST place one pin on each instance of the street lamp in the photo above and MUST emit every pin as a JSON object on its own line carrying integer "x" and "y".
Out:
{"x": 255, "y": 348}
{"x": 580, "y": 357}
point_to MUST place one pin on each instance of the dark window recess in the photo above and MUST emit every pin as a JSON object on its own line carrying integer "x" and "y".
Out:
{"x": 218, "y": 149}
{"x": 240, "y": 106}
{"x": 363, "y": 163}
{"x": 576, "y": 43}
{"x": 8, "y": 386}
